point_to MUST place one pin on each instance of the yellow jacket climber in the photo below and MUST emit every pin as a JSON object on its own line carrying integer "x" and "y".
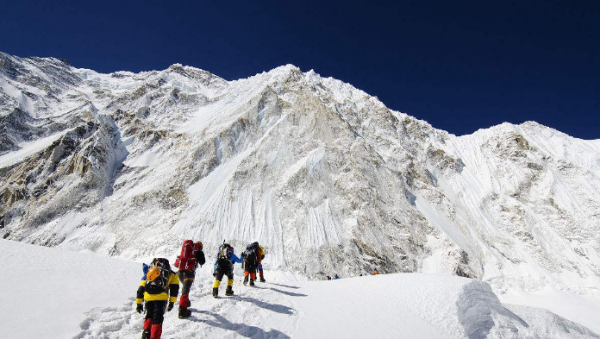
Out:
{"x": 160, "y": 284}
{"x": 173, "y": 289}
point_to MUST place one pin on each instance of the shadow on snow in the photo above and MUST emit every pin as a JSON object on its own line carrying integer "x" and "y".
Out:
{"x": 282, "y": 285}
{"x": 291, "y": 294}
{"x": 247, "y": 331}
{"x": 271, "y": 307}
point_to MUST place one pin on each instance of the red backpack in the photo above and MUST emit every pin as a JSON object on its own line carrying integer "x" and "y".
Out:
{"x": 187, "y": 259}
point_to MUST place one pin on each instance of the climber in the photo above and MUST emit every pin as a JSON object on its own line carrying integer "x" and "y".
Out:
{"x": 261, "y": 256}
{"x": 161, "y": 285}
{"x": 224, "y": 266}
{"x": 191, "y": 256}
{"x": 251, "y": 259}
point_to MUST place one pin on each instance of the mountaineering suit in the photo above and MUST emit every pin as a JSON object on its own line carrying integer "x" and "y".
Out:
{"x": 250, "y": 265}
{"x": 156, "y": 300}
{"x": 261, "y": 256}
{"x": 224, "y": 266}
{"x": 251, "y": 257}
{"x": 187, "y": 276}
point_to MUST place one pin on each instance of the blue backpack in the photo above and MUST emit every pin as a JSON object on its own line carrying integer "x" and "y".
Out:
{"x": 145, "y": 270}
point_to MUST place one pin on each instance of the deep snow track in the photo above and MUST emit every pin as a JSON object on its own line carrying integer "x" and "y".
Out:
{"x": 264, "y": 311}
{"x": 385, "y": 306}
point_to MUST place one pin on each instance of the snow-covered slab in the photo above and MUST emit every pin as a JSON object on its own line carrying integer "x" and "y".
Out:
{"x": 17, "y": 94}
{"x": 28, "y": 149}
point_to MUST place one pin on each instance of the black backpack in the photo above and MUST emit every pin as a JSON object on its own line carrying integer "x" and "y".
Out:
{"x": 224, "y": 254}
{"x": 250, "y": 257}
{"x": 157, "y": 277}
{"x": 252, "y": 246}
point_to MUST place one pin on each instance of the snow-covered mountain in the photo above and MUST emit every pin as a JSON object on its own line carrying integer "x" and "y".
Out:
{"x": 324, "y": 175}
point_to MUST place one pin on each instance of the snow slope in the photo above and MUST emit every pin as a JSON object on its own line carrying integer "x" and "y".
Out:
{"x": 27, "y": 149}
{"x": 58, "y": 294}
{"x": 321, "y": 173}
{"x": 48, "y": 290}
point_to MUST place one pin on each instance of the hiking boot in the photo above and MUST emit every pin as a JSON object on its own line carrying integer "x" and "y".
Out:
{"x": 146, "y": 334}
{"x": 245, "y": 280}
{"x": 229, "y": 291}
{"x": 215, "y": 292}
{"x": 184, "y": 312}
{"x": 251, "y": 282}
{"x": 262, "y": 279}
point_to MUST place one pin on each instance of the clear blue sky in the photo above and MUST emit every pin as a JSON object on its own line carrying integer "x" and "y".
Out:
{"x": 460, "y": 65}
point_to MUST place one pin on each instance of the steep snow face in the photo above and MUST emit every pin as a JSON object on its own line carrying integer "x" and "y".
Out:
{"x": 321, "y": 173}
{"x": 529, "y": 196}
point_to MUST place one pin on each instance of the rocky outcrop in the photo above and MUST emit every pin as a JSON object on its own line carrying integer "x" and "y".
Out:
{"x": 321, "y": 173}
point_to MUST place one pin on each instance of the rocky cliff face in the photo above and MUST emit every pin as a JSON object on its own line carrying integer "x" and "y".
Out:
{"x": 324, "y": 175}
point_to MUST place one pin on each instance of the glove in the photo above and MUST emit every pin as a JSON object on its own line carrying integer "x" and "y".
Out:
{"x": 139, "y": 308}
{"x": 170, "y": 307}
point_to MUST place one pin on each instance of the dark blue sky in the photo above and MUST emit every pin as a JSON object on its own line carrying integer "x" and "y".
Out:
{"x": 460, "y": 65}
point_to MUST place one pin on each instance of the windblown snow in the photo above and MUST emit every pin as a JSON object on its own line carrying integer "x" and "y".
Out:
{"x": 322, "y": 174}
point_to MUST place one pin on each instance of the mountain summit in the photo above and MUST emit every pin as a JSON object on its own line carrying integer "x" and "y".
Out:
{"x": 324, "y": 175}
